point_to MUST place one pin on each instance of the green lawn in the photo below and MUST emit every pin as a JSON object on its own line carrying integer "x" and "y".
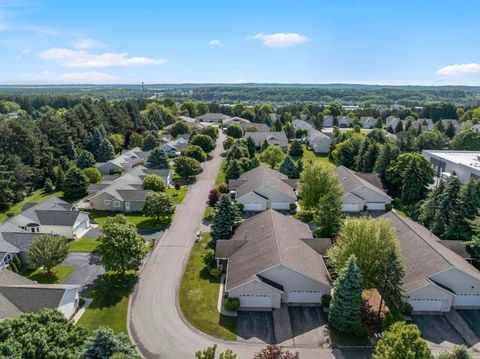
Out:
{"x": 138, "y": 219}
{"x": 199, "y": 295}
{"x": 221, "y": 174}
{"x": 59, "y": 273}
{"x": 110, "y": 303}
{"x": 177, "y": 198}
{"x": 36, "y": 196}
{"x": 209, "y": 212}
{"x": 83, "y": 245}
{"x": 310, "y": 156}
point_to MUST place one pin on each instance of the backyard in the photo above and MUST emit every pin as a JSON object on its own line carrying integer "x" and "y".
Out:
{"x": 199, "y": 295}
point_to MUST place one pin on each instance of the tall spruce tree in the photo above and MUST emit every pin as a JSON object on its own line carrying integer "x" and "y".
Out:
{"x": 328, "y": 216}
{"x": 226, "y": 218}
{"x": 157, "y": 159}
{"x": 388, "y": 153}
{"x": 399, "y": 127}
{"x": 150, "y": 142}
{"x": 446, "y": 205}
{"x": 390, "y": 281}
{"x": 288, "y": 167}
{"x": 85, "y": 159}
{"x": 346, "y": 305}
{"x": 105, "y": 151}
{"x": 250, "y": 143}
{"x": 465, "y": 209}
{"x": 429, "y": 206}
{"x": 75, "y": 184}
{"x": 71, "y": 150}
{"x": 413, "y": 189}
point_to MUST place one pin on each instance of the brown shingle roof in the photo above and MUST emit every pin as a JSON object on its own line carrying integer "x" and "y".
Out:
{"x": 351, "y": 181}
{"x": 272, "y": 239}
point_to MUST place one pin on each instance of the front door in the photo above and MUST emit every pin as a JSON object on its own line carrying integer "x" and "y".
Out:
{"x": 127, "y": 206}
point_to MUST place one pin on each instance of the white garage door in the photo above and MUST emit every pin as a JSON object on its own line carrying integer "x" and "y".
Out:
{"x": 300, "y": 296}
{"x": 375, "y": 206}
{"x": 81, "y": 227}
{"x": 351, "y": 207}
{"x": 280, "y": 205}
{"x": 467, "y": 300}
{"x": 255, "y": 301}
{"x": 426, "y": 305}
{"x": 252, "y": 206}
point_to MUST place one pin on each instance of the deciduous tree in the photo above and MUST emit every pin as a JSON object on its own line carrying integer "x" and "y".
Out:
{"x": 158, "y": 205}
{"x": 155, "y": 183}
{"x": 273, "y": 155}
{"x": 47, "y": 251}
{"x": 187, "y": 167}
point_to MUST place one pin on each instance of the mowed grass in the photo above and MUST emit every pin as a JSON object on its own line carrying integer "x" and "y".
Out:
{"x": 310, "y": 157}
{"x": 199, "y": 296}
{"x": 58, "y": 275}
{"x": 138, "y": 219}
{"x": 83, "y": 245}
{"x": 110, "y": 303}
{"x": 221, "y": 174}
{"x": 177, "y": 196}
{"x": 35, "y": 197}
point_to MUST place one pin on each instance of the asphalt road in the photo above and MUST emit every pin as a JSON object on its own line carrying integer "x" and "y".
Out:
{"x": 156, "y": 324}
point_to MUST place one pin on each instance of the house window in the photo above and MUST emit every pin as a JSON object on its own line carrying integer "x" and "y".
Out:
{"x": 107, "y": 202}
{"x": 116, "y": 204}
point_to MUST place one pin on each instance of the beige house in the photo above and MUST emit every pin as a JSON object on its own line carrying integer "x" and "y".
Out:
{"x": 318, "y": 141}
{"x": 269, "y": 262}
{"x": 360, "y": 195}
{"x": 262, "y": 188}
{"x": 436, "y": 278}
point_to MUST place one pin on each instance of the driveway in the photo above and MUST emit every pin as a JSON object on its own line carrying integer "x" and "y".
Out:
{"x": 309, "y": 327}
{"x": 256, "y": 327}
{"x": 156, "y": 324}
{"x": 472, "y": 317}
{"x": 87, "y": 268}
{"x": 437, "y": 331}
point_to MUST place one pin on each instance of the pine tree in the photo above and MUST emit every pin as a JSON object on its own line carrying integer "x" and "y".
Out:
{"x": 97, "y": 138}
{"x": 370, "y": 157}
{"x": 296, "y": 149}
{"x": 59, "y": 178}
{"x": 105, "y": 343}
{"x": 399, "y": 127}
{"x": 251, "y": 147}
{"x": 76, "y": 183}
{"x": 446, "y": 205}
{"x": 48, "y": 186}
{"x": 465, "y": 209}
{"x": 390, "y": 129}
{"x": 346, "y": 305}
{"x": 85, "y": 159}
{"x": 288, "y": 167}
{"x": 265, "y": 145}
{"x": 388, "y": 153}
{"x": 299, "y": 168}
{"x": 226, "y": 218}
{"x": 450, "y": 131}
{"x": 71, "y": 150}
{"x": 105, "y": 151}
{"x": 440, "y": 126}
{"x": 412, "y": 185}
{"x": 429, "y": 206}
{"x": 233, "y": 170}
{"x": 157, "y": 159}
{"x": 150, "y": 142}
{"x": 329, "y": 217}
{"x": 392, "y": 273}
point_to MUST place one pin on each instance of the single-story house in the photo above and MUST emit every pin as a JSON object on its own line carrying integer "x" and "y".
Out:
{"x": 192, "y": 124}
{"x": 52, "y": 216}
{"x": 14, "y": 241}
{"x": 359, "y": 194}
{"x": 436, "y": 278}
{"x": 328, "y": 121}
{"x": 268, "y": 261}
{"x": 368, "y": 122}
{"x": 446, "y": 124}
{"x": 20, "y": 295}
{"x": 259, "y": 127}
{"x": 235, "y": 121}
{"x": 126, "y": 193}
{"x": 302, "y": 125}
{"x": 272, "y": 138}
{"x": 262, "y": 188}
{"x": 344, "y": 121}
{"x": 426, "y": 123}
{"x": 174, "y": 147}
{"x": 392, "y": 121}
{"x": 212, "y": 117}
{"x": 318, "y": 141}
{"x": 128, "y": 159}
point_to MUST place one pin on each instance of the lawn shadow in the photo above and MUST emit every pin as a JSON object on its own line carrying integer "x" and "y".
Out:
{"x": 44, "y": 277}
{"x": 205, "y": 275}
{"x": 109, "y": 289}
{"x": 152, "y": 223}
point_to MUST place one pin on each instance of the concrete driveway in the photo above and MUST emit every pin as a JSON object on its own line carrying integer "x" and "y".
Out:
{"x": 87, "y": 268}
{"x": 255, "y": 327}
{"x": 438, "y": 331}
{"x": 309, "y": 327}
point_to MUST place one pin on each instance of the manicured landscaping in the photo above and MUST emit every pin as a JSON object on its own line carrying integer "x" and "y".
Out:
{"x": 221, "y": 174}
{"x": 110, "y": 302}
{"x": 209, "y": 212}
{"x": 310, "y": 156}
{"x": 199, "y": 295}
{"x": 138, "y": 219}
{"x": 83, "y": 245}
{"x": 36, "y": 196}
{"x": 177, "y": 196}
{"x": 58, "y": 275}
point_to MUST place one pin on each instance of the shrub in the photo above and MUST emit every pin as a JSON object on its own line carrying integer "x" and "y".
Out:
{"x": 407, "y": 309}
{"x": 213, "y": 197}
{"x": 326, "y": 299}
{"x": 48, "y": 187}
{"x": 388, "y": 207}
{"x": 359, "y": 330}
{"x": 223, "y": 188}
{"x": 293, "y": 207}
{"x": 81, "y": 302}
{"x": 240, "y": 207}
{"x": 116, "y": 171}
{"x": 214, "y": 272}
{"x": 177, "y": 186}
{"x": 13, "y": 267}
{"x": 231, "y": 304}
{"x": 10, "y": 214}
{"x": 209, "y": 259}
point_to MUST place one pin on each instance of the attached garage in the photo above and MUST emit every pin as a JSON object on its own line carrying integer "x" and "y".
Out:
{"x": 304, "y": 296}
{"x": 81, "y": 227}
{"x": 426, "y": 305}
{"x": 281, "y": 205}
{"x": 375, "y": 206}
{"x": 249, "y": 206}
{"x": 351, "y": 207}
{"x": 255, "y": 301}
{"x": 467, "y": 300}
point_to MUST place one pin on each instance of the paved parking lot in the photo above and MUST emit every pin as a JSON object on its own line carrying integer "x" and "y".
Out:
{"x": 255, "y": 327}
{"x": 437, "y": 330}
{"x": 308, "y": 326}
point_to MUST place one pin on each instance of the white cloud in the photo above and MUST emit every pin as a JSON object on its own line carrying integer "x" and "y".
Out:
{"x": 80, "y": 58}
{"x": 459, "y": 69}
{"x": 49, "y": 77}
{"x": 215, "y": 42}
{"x": 87, "y": 43}
{"x": 241, "y": 81}
{"x": 280, "y": 39}
{"x": 22, "y": 54}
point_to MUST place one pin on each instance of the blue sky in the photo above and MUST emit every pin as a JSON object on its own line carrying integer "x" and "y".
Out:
{"x": 381, "y": 42}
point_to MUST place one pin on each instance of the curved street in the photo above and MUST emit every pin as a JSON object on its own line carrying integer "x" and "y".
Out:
{"x": 155, "y": 322}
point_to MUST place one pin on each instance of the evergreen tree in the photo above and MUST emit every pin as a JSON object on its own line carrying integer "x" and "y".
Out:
{"x": 7, "y": 187}
{"x": 157, "y": 159}
{"x": 251, "y": 147}
{"x": 465, "y": 209}
{"x": 388, "y": 153}
{"x": 226, "y": 218}
{"x": 71, "y": 150}
{"x": 390, "y": 129}
{"x": 59, "y": 178}
{"x": 288, "y": 167}
{"x": 412, "y": 185}
{"x": 265, "y": 145}
{"x": 75, "y": 184}
{"x": 362, "y": 154}
{"x": 399, "y": 127}
{"x": 104, "y": 343}
{"x": 99, "y": 135}
{"x": 150, "y": 142}
{"x": 85, "y": 159}
{"x": 329, "y": 217}
{"x": 446, "y": 205}
{"x": 105, "y": 151}
{"x": 450, "y": 131}
{"x": 429, "y": 206}
{"x": 233, "y": 170}
{"x": 48, "y": 186}
{"x": 299, "y": 168}
{"x": 296, "y": 149}
{"x": 391, "y": 275}
{"x": 440, "y": 126}
{"x": 346, "y": 305}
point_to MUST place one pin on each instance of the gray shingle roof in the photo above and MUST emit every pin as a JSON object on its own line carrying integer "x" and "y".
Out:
{"x": 51, "y": 211}
{"x": 211, "y": 116}
{"x": 273, "y": 138}
{"x": 19, "y": 240}
{"x": 57, "y": 218}
{"x": 423, "y": 255}
{"x": 273, "y": 239}
{"x": 133, "y": 195}
{"x": 351, "y": 181}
